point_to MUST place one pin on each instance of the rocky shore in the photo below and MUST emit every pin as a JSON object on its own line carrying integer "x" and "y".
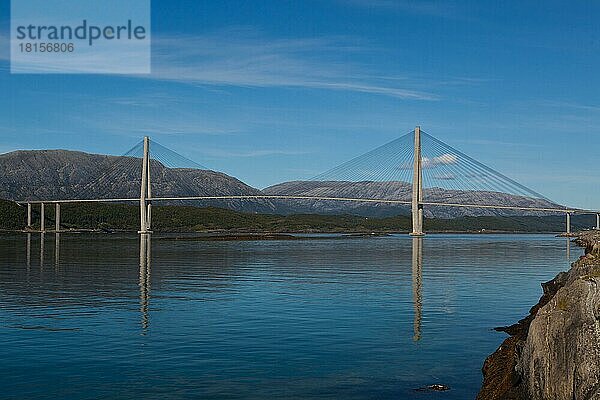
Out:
{"x": 554, "y": 353}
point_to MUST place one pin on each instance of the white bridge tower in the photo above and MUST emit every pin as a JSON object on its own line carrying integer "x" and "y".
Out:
{"x": 417, "y": 188}
{"x": 145, "y": 191}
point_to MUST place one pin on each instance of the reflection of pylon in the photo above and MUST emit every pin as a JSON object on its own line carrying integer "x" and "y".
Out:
{"x": 417, "y": 285}
{"x": 144, "y": 281}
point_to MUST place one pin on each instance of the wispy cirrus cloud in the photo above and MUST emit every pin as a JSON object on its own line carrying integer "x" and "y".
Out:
{"x": 572, "y": 105}
{"x": 170, "y": 122}
{"x": 244, "y": 58}
{"x": 151, "y": 100}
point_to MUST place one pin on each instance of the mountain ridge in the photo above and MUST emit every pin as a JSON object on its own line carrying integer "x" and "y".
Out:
{"x": 66, "y": 174}
{"x": 397, "y": 190}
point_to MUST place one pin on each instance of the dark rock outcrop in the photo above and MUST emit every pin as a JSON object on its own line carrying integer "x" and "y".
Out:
{"x": 554, "y": 353}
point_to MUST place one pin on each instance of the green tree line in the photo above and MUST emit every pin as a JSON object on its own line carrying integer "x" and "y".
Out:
{"x": 125, "y": 217}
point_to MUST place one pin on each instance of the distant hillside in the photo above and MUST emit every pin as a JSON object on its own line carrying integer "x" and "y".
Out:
{"x": 62, "y": 174}
{"x": 396, "y": 191}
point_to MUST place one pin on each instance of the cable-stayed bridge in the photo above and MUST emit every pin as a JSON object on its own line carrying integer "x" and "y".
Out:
{"x": 415, "y": 171}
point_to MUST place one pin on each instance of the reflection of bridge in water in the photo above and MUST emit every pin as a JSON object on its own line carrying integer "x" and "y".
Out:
{"x": 417, "y": 282}
{"x": 400, "y": 161}
{"x": 145, "y": 263}
{"x": 417, "y": 285}
{"x": 437, "y": 178}
{"x": 145, "y": 267}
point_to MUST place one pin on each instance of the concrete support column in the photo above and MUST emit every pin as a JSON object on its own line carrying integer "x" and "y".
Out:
{"x": 149, "y": 217}
{"x": 145, "y": 192}
{"x": 417, "y": 187}
{"x": 57, "y": 218}
{"x": 42, "y": 218}
{"x": 144, "y": 189}
{"x": 28, "y": 215}
{"x": 598, "y": 222}
{"x": 568, "y": 222}
{"x": 149, "y": 194}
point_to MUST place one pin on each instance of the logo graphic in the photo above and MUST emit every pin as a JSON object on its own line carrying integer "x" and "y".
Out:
{"x": 80, "y": 36}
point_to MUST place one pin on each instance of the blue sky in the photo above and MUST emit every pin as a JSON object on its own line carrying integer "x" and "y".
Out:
{"x": 281, "y": 90}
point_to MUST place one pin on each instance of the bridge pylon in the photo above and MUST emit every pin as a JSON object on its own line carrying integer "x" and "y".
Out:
{"x": 417, "y": 188}
{"x": 145, "y": 191}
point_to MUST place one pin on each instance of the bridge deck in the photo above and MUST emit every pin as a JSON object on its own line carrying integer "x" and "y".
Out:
{"x": 318, "y": 198}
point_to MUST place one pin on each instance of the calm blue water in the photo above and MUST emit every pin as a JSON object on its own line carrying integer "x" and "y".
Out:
{"x": 370, "y": 318}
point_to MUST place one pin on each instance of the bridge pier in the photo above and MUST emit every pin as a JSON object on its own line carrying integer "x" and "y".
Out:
{"x": 57, "y": 218}
{"x": 28, "y": 215}
{"x": 598, "y": 222}
{"x": 42, "y": 218}
{"x": 568, "y": 223}
{"x": 417, "y": 188}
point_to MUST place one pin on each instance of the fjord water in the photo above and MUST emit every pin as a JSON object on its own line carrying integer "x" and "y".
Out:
{"x": 92, "y": 316}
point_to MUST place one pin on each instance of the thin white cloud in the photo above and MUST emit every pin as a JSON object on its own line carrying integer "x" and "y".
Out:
{"x": 426, "y": 162}
{"x": 572, "y": 105}
{"x": 245, "y": 59}
{"x": 444, "y": 159}
{"x": 142, "y": 125}
{"x": 147, "y": 100}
